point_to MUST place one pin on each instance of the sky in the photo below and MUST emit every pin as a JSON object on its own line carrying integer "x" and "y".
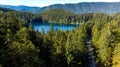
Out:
{"x": 42, "y": 3}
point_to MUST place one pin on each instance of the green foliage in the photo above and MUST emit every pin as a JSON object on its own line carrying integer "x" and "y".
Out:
{"x": 63, "y": 16}
{"x": 25, "y": 54}
{"x": 116, "y": 56}
{"x": 75, "y": 46}
{"x": 0, "y": 65}
{"x": 106, "y": 43}
{"x": 22, "y": 35}
{"x": 116, "y": 43}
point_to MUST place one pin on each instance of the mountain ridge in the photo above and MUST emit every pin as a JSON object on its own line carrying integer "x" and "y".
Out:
{"x": 78, "y": 8}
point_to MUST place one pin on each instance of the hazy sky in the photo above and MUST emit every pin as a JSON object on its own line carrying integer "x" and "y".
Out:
{"x": 42, "y": 3}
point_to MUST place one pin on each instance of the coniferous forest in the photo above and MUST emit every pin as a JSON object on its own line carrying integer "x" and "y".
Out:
{"x": 22, "y": 46}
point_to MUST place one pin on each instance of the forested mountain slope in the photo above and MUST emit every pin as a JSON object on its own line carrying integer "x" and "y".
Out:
{"x": 5, "y": 9}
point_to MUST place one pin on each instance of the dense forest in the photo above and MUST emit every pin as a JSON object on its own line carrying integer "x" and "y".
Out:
{"x": 21, "y": 46}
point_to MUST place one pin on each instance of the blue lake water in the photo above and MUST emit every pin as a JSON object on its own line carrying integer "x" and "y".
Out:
{"x": 46, "y": 26}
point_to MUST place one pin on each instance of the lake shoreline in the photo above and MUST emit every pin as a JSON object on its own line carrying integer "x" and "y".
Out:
{"x": 62, "y": 23}
{"x": 56, "y": 25}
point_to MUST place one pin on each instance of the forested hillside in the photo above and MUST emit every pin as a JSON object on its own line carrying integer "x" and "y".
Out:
{"x": 21, "y": 46}
{"x": 5, "y": 10}
{"x": 54, "y": 15}
{"x": 63, "y": 16}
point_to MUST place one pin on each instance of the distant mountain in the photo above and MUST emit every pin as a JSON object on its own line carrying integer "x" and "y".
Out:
{"x": 79, "y": 8}
{"x": 22, "y": 8}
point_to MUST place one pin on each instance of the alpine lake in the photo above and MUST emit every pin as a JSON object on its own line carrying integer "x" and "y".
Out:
{"x": 40, "y": 26}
